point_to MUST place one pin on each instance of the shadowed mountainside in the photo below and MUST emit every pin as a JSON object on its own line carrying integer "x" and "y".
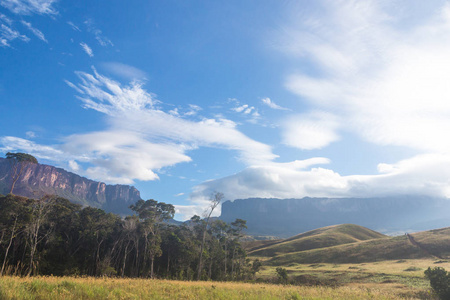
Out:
{"x": 38, "y": 180}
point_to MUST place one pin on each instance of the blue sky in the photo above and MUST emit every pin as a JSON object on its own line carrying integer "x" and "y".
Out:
{"x": 281, "y": 99}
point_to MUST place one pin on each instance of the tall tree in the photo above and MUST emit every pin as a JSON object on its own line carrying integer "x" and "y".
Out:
{"x": 213, "y": 203}
{"x": 18, "y": 162}
{"x": 152, "y": 213}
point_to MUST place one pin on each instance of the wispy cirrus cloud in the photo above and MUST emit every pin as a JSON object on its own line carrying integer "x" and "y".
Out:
{"x": 8, "y": 34}
{"x": 99, "y": 36}
{"x": 124, "y": 71}
{"x": 267, "y": 101}
{"x": 387, "y": 83}
{"x": 372, "y": 72}
{"x": 140, "y": 138}
{"x": 29, "y": 7}
{"x": 87, "y": 49}
{"x": 73, "y": 26}
{"x": 35, "y": 31}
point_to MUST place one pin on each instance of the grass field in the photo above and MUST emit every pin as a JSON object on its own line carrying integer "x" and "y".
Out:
{"x": 108, "y": 288}
{"x": 400, "y": 277}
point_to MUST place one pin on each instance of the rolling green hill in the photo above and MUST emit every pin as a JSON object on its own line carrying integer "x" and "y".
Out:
{"x": 367, "y": 246}
{"x": 319, "y": 238}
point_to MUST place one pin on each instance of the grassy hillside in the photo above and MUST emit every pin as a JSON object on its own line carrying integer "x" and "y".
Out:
{"x": 434, "y": 244}
{"x": 315, "y": 239}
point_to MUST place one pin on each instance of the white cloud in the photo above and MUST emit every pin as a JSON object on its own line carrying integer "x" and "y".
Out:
{"x": 267, "y": 101}
{"x": 30, "y": 134}
{"x": 421, "y": 175}
{"x": 7, "y": 34}
{"x": 35, "y": 31}
{"x": 388, "y": 84}
{"x": 12, "y": 144}
{"x": 140, "y": 139}
{"x": 125, "y": 71}
{"x": 73, "y": 26}
{"x": 29, "y": 7}
{"x": 376, "y": 73}
{"x": 5, "y": 19}
{"x": 101, "y": 39}
{"x": 87, "y": 49}
{"x": 310, "y": 131}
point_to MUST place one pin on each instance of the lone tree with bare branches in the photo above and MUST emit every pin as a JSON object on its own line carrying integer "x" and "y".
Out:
{"x": 18, "y": 162}
{"x": 215, "y": 200}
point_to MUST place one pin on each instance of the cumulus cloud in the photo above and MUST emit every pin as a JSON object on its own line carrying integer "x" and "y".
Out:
{"x": 35, "y": 31}
{"x": 87, "y": 49}
{"x": 250, "y": 113}
{"x": 29, "y": 7}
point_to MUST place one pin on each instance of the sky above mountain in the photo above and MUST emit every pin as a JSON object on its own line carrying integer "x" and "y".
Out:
{"x": 269, "y": 98}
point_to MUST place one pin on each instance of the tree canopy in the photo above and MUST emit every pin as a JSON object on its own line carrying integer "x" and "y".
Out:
{"x": 22, "y": 157}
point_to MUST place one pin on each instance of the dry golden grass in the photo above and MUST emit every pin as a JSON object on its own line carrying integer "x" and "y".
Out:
{"x": 108, "y": 288}
{"x": 399, "y": 277}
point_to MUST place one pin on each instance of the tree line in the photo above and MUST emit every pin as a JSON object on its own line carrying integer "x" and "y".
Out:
{"x": 52, "y": 236}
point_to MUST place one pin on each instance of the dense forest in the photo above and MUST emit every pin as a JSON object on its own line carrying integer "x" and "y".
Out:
{"x": 52, "y": 236}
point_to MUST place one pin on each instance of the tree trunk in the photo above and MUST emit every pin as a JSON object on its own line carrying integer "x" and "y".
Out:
{"x": 225, "y": 265}
{"x": 125, "y": 259}
{"x": 168, "y": 264}
{"x": 34, "y": 238}
{"x": 210, "y": 268}
{"x": 13, "y": 231}
{"x": 199, "y": 274}
{"x": 232, "y": 263}
{"x": 151, "y": 268}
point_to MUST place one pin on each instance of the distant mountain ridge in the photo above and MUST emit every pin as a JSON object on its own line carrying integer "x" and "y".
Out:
{"x": 288, "y": 217}
{"x": 38, "y": 180}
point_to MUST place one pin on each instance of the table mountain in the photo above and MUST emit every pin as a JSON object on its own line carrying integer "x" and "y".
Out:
{"x": 37, "y": 180}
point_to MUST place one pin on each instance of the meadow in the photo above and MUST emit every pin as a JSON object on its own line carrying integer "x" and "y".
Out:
{"x": 110, "y": 288}
{"x": 403, "y": 278}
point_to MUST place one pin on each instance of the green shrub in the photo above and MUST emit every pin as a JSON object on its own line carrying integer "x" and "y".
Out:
{"x": 439, "y": 281}
{"x": 282, "y": 275}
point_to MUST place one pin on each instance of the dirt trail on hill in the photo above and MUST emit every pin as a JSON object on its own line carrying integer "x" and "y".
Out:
{"x": 413, "y": 241}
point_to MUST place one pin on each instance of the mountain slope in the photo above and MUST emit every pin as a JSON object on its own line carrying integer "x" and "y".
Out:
{"x": 427, "y": 244}
{"x": 38, "y": 180}
{"x": 389, "y": 215}
{"x": 318, "y": 238}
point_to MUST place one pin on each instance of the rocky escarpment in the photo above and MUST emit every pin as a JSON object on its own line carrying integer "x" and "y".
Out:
{"x": 37, "y": 180}
{"x": 286, "y": 217}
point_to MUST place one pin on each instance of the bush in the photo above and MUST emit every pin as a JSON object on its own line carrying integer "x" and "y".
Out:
{"x": 282, "y": 275}
{"x": 439, "y": 281}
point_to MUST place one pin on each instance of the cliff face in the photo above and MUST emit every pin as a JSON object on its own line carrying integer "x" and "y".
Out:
{"x": 287, "y": 217}
{"x": 37, "y": 180}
